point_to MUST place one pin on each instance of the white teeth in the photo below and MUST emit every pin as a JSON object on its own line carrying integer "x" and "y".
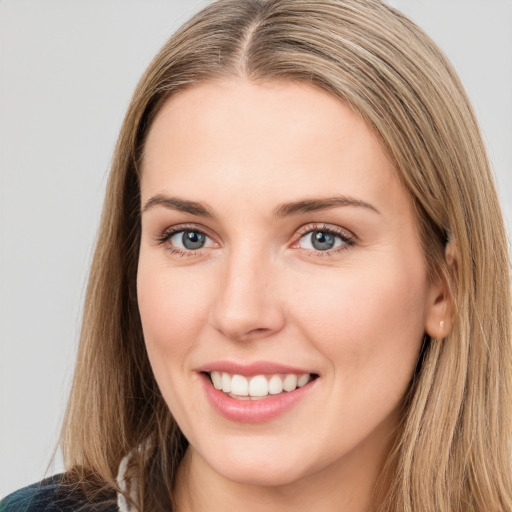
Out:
{"x": 275, "y": 385}
{"x": 216, "y": 379}
{"x": 226, "y": 382}
{"x": 303, "y": 380}
{"x": 239, "y": 385}
{"x": 290, "y": 382}
{"x": 259, "y": 385}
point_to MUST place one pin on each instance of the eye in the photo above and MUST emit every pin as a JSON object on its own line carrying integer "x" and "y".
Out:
{"x": 185, "y": 241}
{"x": 320, "y": 241}
{"x": 188, "y": 239}
{"x": 324, "y": 239}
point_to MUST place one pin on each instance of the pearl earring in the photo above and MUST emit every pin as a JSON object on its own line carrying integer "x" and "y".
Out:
{"x": 441, "y": 323}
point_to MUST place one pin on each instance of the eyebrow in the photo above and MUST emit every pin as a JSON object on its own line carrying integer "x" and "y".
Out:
{"x": 181, "y": 205}
{"x": 284, "y": 210}
{"x": 313, "y": 205}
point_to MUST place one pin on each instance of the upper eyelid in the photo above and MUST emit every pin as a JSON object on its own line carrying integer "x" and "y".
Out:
{"x": 330, "y": 228}
{"x": 171, "y": 230}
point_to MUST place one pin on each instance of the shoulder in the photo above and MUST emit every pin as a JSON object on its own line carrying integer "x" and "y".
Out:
{"x": 52, "y": 495}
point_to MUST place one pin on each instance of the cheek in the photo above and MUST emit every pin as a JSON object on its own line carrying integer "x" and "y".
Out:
{"x": 368, "y": 323}
{"x": 173, "y": 310}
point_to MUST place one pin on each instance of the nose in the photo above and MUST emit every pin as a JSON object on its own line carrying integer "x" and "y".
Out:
{"x": 247, "y": 304}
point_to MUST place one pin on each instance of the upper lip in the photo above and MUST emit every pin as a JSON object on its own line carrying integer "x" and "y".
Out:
{"x": 250, "y": 369}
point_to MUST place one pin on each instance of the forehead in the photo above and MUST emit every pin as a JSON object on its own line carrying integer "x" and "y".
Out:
{"x": 274, "y": 139}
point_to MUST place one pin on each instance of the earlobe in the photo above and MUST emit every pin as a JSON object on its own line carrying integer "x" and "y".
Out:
{"x": 438, "y": 323}
{"x": 439, "y": 318}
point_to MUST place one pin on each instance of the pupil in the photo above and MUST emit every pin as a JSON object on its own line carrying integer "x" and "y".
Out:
{"x": 193, "y": 240}
{"x": 322, "y": 241}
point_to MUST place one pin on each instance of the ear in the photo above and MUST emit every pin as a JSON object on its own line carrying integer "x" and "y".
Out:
{"x": 440, "y": 310}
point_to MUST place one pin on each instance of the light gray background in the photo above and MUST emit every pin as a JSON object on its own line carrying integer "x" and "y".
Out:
{"x": 67, "y": 71}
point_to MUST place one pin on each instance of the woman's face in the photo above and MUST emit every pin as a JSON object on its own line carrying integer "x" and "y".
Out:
{"x": 279, "y": 248}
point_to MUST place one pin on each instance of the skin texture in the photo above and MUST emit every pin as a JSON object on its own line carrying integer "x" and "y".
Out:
{"x": 259, "y": 291}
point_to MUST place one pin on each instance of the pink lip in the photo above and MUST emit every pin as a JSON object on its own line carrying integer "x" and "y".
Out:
{"x": 254, "y": 411}
{"x": 248, "y": 370}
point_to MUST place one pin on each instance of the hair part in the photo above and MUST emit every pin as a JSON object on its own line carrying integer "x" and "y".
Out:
{"x": 453, "y": 451}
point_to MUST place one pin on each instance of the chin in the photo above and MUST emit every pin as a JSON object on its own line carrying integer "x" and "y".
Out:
{"x": 255, "y": 461}
{"x": 274, "y": 472}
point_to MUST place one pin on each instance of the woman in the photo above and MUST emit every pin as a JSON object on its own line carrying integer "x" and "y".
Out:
{"x": 290, "y": 302}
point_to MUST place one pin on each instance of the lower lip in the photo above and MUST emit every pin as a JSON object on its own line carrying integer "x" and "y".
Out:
{"x": 254, "y": 411}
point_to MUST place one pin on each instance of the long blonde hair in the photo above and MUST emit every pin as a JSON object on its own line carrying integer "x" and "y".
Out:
{"x": 453, "y": 452}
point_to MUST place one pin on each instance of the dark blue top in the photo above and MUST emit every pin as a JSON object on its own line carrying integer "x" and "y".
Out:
{"x": 50, "y": 495}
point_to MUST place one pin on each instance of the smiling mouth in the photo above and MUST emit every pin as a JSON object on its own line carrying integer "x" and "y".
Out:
{"x": 258, "y": 387}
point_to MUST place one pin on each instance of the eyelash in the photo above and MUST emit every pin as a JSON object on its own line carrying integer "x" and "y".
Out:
{"x": 348, "y": 239}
